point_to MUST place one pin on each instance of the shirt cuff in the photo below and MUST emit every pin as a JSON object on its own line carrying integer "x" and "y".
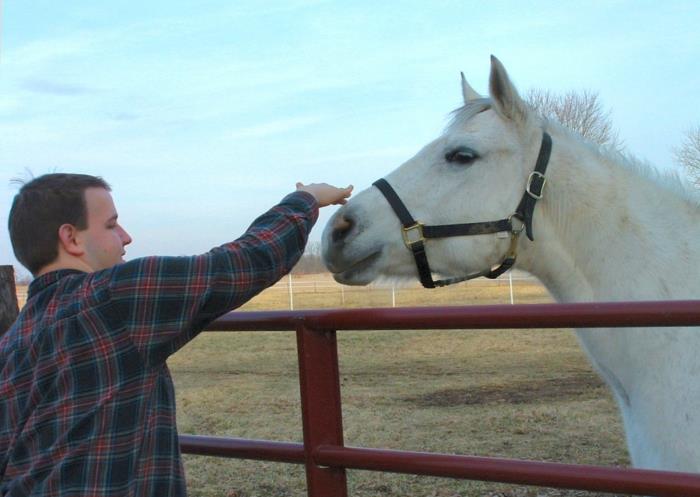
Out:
{"x": 303, "y": 200}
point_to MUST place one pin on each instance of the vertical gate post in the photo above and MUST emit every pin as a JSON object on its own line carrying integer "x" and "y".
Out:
{"x": 321, "y": 410}
{"x": 8, "y": 298}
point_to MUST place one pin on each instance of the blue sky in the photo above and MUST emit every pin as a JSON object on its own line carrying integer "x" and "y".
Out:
{"x": 203, "y": 114}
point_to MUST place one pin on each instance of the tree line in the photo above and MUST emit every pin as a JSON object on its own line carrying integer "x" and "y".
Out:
{"x": 311, "y": 261}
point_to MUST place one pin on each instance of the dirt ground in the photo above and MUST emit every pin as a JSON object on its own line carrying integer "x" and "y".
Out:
{"x": 524, "y": 392}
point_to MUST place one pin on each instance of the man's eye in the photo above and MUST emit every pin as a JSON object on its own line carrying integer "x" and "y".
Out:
{"x": 461, "y": 155}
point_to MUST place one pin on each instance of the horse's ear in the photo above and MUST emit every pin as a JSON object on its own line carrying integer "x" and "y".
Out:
{"x": 506, "y": 100}
{"x": 467, "y": 91}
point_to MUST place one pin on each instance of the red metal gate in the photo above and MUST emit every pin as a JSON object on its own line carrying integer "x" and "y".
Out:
{"x": 326, "y": 457}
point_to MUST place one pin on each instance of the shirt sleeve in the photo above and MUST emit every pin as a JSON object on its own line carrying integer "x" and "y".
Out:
{"x": 166, "y": 301}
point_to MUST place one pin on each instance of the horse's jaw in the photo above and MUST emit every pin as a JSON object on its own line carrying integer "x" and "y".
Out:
{"x": 351, "y": 252}
{"x": 361, "y": 271}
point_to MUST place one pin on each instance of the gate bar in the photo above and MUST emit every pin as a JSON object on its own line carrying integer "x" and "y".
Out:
{"x": 545, "y": 474}
{"x": 242, "y": 448}
{"x": 323, "y": 452}
{"x": 322, "y": 416}
{"x": 580, "y": 315}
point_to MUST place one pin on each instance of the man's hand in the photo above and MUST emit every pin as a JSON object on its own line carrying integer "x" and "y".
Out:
{"x": 326, "y": 194}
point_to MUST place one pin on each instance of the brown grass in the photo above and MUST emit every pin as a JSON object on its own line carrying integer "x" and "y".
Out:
{"x": 512, "y": 393}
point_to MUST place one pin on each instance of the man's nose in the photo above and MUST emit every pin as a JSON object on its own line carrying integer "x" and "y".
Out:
{"x": 126, "y": 238}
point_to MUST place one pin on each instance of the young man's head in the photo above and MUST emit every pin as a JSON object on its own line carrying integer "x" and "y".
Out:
{"x": 62, "y": 221}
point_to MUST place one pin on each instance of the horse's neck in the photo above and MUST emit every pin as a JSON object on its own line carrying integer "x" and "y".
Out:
{"x": 607, "y": 232}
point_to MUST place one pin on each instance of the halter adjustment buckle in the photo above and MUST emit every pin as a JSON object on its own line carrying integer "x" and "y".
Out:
{"x": 413, "y": 234}
{"x": 543, "y": 181}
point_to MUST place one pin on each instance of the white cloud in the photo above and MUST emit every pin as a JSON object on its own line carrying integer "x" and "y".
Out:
{"x": 48, "y": 50}
{"x": 37, "y": 85}
{"x": 270, "y": 128}
{"x": 9, "y": 104}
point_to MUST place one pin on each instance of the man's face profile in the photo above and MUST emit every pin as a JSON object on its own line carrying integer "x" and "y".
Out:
{"x": 104, "y": 239}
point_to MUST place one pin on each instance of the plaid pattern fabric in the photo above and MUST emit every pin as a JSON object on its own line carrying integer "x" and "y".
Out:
{"x": 87, "y": 406}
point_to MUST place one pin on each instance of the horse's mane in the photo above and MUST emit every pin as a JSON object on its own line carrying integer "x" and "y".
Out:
{"x": 668, "y": 180}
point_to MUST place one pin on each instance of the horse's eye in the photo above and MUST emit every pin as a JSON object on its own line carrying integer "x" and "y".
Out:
{"x": 461, "y": 155}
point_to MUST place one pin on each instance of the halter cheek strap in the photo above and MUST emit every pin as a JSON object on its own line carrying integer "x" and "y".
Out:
{"x": 415, "y": 233}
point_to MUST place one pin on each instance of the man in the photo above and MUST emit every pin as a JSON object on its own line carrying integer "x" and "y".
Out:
{"x": 87, "y": 406}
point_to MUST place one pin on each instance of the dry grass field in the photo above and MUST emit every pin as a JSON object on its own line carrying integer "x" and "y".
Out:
{"x": 510, "y": 393}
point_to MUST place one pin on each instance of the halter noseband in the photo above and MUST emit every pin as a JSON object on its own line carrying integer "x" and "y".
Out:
{"x": 415, "y": 233}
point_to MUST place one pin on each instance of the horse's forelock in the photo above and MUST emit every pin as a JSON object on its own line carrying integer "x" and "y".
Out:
{"x": 467, "y": 111}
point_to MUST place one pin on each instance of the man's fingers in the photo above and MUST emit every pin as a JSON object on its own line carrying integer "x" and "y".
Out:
{"x": 326, "y": 194}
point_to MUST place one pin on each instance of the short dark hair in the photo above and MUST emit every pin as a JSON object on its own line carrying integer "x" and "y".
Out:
{"x": 40, "y": 208}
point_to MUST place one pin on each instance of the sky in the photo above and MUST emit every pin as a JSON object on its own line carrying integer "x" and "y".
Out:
{"x": 201, "y": 115}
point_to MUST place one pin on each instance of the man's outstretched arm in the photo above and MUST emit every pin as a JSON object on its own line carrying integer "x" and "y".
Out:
{"x": 166, "y": 301}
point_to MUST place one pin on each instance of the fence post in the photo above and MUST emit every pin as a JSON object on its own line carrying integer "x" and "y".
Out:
{"x": 8, "y": 298}
{"x": 510, "y": 284}
{"x": 321, "y": 410}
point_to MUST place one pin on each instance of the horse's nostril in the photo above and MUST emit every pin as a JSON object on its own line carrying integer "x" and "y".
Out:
{"x": 342, "y": 226}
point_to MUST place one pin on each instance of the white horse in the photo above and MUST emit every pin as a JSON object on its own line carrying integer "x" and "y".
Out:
{"x": 605, "y": 229}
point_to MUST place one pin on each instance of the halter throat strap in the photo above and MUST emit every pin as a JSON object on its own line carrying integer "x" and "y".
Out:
{"x": 535, "y": 186}
{"x": 415, "y": 233}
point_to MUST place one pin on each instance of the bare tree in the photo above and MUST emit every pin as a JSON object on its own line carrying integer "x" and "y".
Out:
{"x": 581, "y": 112}
{"x": 688, "y": 154}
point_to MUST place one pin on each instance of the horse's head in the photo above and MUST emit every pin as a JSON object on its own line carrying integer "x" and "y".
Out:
{"x": 476, "y": 171}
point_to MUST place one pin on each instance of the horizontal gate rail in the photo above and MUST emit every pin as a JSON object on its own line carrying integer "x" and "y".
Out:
{"x": 588, "y": 315}
{"x": 584, "y": 477}
{"x": 242, "y": 448}
{"x": 323, "y": 452}
{"x": 546, "y": 474}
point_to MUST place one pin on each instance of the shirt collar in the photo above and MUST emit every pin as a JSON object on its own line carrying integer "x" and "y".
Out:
{"x": 44, "y": 281}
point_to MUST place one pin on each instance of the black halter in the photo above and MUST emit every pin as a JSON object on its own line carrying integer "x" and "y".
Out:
{"x": 415, "y": 233}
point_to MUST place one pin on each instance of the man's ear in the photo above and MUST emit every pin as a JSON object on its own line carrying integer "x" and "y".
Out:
{"x": 68, "y": 240}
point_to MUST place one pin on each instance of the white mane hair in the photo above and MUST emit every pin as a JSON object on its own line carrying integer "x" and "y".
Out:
{"x": 669, "y": 179}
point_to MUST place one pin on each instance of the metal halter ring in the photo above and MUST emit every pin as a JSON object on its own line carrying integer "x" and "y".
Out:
{"x": 513, "y": 230}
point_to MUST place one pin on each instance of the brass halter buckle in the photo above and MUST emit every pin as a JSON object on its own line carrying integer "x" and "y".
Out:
{"x": 516, "y": 230}
{"x": 413, "y": 234}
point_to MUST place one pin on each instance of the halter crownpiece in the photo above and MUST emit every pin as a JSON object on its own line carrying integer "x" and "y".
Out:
{"x": 415, "y": 233}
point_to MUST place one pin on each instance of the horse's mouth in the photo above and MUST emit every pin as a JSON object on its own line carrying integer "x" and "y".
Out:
{"x": 357, "y": 272}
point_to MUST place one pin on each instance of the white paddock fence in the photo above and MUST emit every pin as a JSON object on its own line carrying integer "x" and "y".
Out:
{"x": 295, "y": 286}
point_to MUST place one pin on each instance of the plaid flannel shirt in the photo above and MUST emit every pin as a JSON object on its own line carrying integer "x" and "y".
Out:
{"x": 87, "y": 405}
